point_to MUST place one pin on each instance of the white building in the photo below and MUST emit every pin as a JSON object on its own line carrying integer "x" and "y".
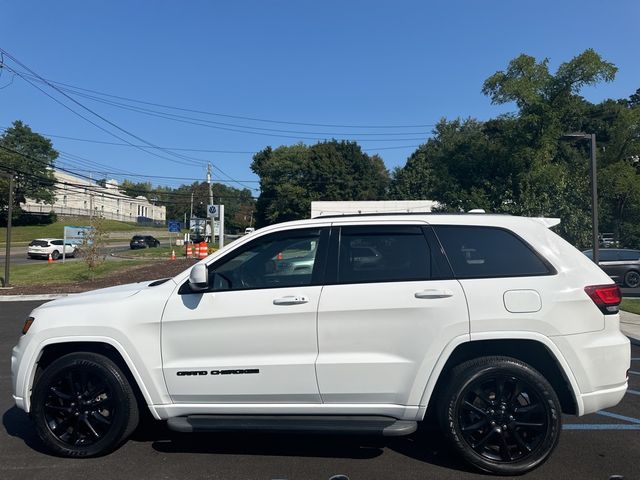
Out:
{"x": 378, "y": 206}
{"x": 79, "y": 197}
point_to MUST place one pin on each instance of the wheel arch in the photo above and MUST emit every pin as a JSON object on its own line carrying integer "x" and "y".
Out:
{"x": 107, "y": 347}
{"x": 531, "y": 351}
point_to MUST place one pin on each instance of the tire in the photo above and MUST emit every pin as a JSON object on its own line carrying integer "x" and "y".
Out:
{"x": 632, "y": 279}
{"x": 83, "y": 406}
{"x": 501, "y": 415}
{"x": 55, "y": 254}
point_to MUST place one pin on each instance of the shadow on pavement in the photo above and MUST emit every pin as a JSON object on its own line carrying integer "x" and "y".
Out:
{"x": 18, "y": 424}
{"x": 426, "y": 445}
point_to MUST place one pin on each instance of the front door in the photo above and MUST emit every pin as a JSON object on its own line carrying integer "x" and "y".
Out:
{"x": 251, "y": 337}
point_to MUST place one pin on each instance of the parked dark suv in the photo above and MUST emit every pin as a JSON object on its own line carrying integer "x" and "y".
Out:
{"x": 621, "y": 264}
{"x": 143, "y": 241}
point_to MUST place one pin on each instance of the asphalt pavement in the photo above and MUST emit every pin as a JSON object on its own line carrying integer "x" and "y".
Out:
{"x": 593, "y": 447}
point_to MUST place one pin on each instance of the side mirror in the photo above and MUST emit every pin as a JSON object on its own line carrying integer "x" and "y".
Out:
{"x": 199, "y": 278}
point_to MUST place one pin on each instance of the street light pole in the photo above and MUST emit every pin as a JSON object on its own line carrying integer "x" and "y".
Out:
{"x": 7, "y": 258}
{"x": 593, "y": 171}
{"x": 594, "y": 201}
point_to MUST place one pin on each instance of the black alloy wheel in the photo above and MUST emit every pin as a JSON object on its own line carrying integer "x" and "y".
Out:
{"x": 83, "y": 405}
{"x": 55, "y": 254}
{"x": 501, "y": 415}
{"x": 632, "y": 279}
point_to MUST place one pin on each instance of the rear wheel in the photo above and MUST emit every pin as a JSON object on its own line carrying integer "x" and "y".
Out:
{"x": 55, "y": 254}
{"x": 501, "y": 415}
{"x": 83, "y": 406}
{"x": 632, "y": 279}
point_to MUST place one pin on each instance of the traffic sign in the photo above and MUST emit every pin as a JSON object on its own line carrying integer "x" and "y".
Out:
{"x": 173, "y": 226}
{"x": 212, "y": 210}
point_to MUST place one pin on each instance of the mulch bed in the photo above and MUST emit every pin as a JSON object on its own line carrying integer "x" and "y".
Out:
{"x": 140, "y": 273}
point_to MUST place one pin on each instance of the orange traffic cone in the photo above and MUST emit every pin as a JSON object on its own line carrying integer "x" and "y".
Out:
{"x": 50, "y": 259}
{"x": 189, "y": 251}
{"x": 280, "y": 256}
{"x": 173, "y": 255}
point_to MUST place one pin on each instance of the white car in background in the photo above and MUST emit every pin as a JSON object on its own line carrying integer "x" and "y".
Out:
{"x": 43, "y": 247}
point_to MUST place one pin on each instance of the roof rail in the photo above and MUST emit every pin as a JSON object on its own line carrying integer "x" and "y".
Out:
{"x": 380, "y": 214}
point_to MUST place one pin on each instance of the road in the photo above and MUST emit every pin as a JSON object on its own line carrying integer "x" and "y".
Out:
{"x": 591, "y": 448}
{"x": 19, "y": 255}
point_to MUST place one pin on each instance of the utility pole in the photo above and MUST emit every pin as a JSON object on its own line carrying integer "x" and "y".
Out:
{"x": 191, "y": 211}
{"x": 7, "y": 258}
{"x": 211, "y": 219}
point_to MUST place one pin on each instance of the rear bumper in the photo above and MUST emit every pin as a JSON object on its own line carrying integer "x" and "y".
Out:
{"x": 594, "y": 401}
{"x": 599, "y": 362}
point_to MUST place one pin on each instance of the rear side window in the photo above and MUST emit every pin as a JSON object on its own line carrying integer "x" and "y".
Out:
{"x": 483, "y": 252}
{"x": 56, "y": 242}
{"x": 383, "y": 254}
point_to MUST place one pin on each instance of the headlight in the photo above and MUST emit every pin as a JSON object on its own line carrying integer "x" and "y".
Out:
{"x": 27, "y": 325}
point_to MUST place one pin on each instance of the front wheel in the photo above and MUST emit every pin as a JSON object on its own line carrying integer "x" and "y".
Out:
{"x": 501, "y": 415}
{"x": 83, "y": 406}
{"x": 632, "y": 279}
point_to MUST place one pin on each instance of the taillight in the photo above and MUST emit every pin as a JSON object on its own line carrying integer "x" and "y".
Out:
{"x": 606, "y": 297}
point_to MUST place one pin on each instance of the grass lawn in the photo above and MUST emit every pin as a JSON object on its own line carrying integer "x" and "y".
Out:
{"x": 55, "y": 230}
{"x": 153, "y": 252}
{"x": 632, "y": 306}
{"x": 163, "y": 252}
{"x": 59, "y": 273}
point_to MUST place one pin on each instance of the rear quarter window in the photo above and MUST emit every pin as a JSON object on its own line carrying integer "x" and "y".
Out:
{"x": 485, "y": 252}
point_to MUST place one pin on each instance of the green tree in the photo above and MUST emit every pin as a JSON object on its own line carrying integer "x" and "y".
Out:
{"x": 291, "y": 177}
{"x": 32, "y": 165}
{"x": 518, "y": 164}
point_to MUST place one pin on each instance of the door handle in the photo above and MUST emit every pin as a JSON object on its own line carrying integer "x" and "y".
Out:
{"x": 291, "y": 300}
{"x": 434, "y": 294}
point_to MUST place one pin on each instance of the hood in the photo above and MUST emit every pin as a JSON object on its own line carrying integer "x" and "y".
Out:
{"x": 108, "y": 294}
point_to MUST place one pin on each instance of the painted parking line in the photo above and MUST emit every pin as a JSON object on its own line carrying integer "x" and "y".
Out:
{"x": 600, "y": 426}
{"x": 633, "y": 372}
{"x": 624, "y": 418}
{"x": 633, "y": 392}
{"x": 635, "y": 359}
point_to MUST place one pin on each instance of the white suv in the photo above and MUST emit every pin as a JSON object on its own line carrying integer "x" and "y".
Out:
{"x": 493, "y": 323}
{"x": 43, "y": 247}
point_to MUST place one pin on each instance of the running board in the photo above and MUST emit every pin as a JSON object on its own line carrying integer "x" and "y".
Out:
{"x": 387, "y": 426}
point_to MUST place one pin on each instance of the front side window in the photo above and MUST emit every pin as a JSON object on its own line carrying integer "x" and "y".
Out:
{"x": 609, "y": 255}
{"x": 484, "y": 252}
{"x": 285, "y": 259}
{"x": 383, "y": 254}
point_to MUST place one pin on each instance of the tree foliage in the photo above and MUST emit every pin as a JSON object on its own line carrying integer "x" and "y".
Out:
{"x": 291, "y": 177}
{"x": 520, "y": 164}
{"x": 32, "y": 170}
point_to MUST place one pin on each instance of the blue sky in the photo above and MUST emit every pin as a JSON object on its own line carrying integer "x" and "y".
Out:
{"x": 330, "y": 62}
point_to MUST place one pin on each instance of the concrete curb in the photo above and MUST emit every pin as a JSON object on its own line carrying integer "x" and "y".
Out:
{"x": 32, "y": 298}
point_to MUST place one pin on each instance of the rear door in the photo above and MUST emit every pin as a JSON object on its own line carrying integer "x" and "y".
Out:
{"x": 388, "y": 311}
{"x": 508, "y": 285}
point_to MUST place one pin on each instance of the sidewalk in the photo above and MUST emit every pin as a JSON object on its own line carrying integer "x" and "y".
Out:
{"x": 630, "y": 326}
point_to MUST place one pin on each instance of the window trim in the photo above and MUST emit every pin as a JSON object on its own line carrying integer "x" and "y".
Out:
{"x": 551, "y": 270}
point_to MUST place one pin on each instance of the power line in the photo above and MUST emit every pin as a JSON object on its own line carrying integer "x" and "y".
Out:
{"x": 239, "y": 117}
{"x": 102, "y": 142}
{"x": 190, "y": 159}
